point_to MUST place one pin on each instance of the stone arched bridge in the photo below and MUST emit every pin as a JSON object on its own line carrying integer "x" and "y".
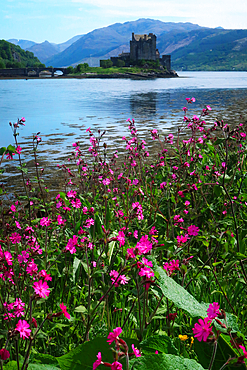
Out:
{"x": 30, "y": 71}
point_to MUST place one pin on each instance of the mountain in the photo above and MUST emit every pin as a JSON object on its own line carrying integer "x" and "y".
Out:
{"x": 66, "y": 44}
{"x": 206, "y": 49}
{"x": 12, "y": 56}
{"x": 44, "y": 50}
{"x": 104, "y": 40}
{"x": 24, "y": 44}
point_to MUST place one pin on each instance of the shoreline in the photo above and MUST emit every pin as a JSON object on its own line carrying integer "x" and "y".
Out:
{"x": 128, "y": 75}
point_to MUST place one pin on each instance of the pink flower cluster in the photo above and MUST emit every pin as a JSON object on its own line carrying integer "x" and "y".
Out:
{"x": 114, "y": 337}
{"x": 171, "y": 266}
{"x": 202, "y": 330}
{"x": 118, "y": 279}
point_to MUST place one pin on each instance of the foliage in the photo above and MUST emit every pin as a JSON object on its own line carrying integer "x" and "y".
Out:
{"x": 107, "y": 63}
{"x": 12, "y": 56}
{"x": 150, "y": 248}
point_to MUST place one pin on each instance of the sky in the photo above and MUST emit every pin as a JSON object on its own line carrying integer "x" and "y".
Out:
{"x": 59, "y": 20}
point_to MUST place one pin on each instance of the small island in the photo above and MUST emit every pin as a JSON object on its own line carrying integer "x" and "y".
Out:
{"x": 142, "y": 62}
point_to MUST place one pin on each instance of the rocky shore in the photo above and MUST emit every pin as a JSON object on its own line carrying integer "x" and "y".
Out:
{"x": 136, "y": 76}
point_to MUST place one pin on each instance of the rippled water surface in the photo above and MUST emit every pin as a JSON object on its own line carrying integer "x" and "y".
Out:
{"x": 62, "y": 109}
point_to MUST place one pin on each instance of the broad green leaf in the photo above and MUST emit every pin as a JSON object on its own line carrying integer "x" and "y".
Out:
{"x": 81, "y": 309}
{"x": 164, "y": 362}
{"x": 44, "y": 358}
{"x": 224, "y": 352}
{"x": 2, "y": 150}
{"x": 161, "y": 343}
{"x": 42, "y": 367}
{"x": 11, "y": 365}
{"x": 112, "y": 245}
{"x": 85, "y": 354}
{"x": 76, "y": 264}
{"x": 177, "y": 294}
{"x": 11, "y": 148}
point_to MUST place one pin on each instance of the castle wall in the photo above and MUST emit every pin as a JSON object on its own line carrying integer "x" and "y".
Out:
{"x": 143, "y": 48}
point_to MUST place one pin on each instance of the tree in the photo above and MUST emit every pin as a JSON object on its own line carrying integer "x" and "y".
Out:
{"x": 106, "y": 63}
{"x": 70, "y": 69}
{"x": 2, "y": 64}
{"x": 120, "y": 63}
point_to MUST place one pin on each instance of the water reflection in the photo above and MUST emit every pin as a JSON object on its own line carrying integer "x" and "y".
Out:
{"x": 63, "y": 109}
{"x": 143, "y": 104}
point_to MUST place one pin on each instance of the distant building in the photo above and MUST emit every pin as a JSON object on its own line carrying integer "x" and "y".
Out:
{"x": 142, "y": 47}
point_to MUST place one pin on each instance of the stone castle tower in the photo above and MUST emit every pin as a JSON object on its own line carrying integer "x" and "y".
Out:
{"x": 143, "y": 47}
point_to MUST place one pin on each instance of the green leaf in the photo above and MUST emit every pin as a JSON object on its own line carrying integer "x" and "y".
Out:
{"x": 76, "y": 264}
{"x": 161, "y": 343}
{"x": 224, "y": 352}
{"x": 81, "y": 309}
{"x": 85, "y": 354}
{"x": 177, "y": 294}
{"x": 11, "y": 149}
{"x": 11, "y": 365}
{"x": 44, "y": 358}
{"x": 42, "y": 367}
{"x": 2, "y": 150}
{"x": 164, "y": 362}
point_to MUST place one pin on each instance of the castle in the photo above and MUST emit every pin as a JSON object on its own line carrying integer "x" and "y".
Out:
{"x": 143, "y": 47}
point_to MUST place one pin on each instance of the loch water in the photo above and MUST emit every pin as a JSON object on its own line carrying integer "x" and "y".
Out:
{"x": 62, "y": 109}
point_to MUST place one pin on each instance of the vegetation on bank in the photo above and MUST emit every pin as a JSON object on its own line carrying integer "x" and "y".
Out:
{"x": 138, "y": 262}
{"x": 210, "y": 50}
{"x": 144, "y": 66}
{"x": 13, "y": 56}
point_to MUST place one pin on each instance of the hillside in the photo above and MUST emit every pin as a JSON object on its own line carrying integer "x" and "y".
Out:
{"x": 12, "y": 56}
{"x": 44, "y": 50}
{"x": 102, "y": 41}
{"x": 207, "y": 50}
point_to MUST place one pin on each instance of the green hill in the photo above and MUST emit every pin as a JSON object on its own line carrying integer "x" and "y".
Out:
{"x": 12, "y": 56}
{"x": 207, "y": 50}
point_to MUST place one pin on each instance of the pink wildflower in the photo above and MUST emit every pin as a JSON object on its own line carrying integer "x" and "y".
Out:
{"x": 64, "y": 310}
{"x": 114, "y": 336}
{"x": 4, "y": 354}
{"x": 89, "y": 223}
{"x": 71, "y": 194}
{"x": 202, "y": 330}
{"x": 98, "y": 361}
{"x": 244, "y": 350}
{"x": 22, "y": 326}
{"x": 146, "y": 271}
{"x": 15, "y": 238}
{"x": 32, "y": 268}
{"x": 43, "y": 275}
{"x": 162, "y": 185}
{"x": 41, "y": 288}
{"x": 193, "y": 230}
{"x": 144, "y": 245}
{"x": 45, "y": 221}
{"x": 8, "y": 258}
{"x": 76, "y": 203}
{"x": 121, "y": 238}
{"x": 13, "y": 208}
{"x": 18, "y": 149}
{"x": 71, "y": 244}
{"x": 135, "y": 234}
{"x": 18, "y": 225}
{"x": 23, "y": 257}
{"x": 213, "y": 310}
{"x": 136, "y": 351}
{"x": 60, "y": 220}
{"x": 116, "y": 366}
